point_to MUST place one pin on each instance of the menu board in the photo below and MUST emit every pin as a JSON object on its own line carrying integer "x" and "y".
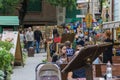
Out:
{"x": 14, "y": 38}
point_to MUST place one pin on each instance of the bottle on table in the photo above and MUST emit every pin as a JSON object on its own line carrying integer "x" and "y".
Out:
{"x": 109, "y": 71}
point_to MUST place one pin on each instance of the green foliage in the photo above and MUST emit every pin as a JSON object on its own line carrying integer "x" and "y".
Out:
{"x": 22, "y": 45}
{"x": 44, "y": 61}
{"x": 63, "y": 3}
{"x": 0, "y": 3}
{"x": 2, "y": 75}
{"x": 6, "y": 45}
{"x": 103, "y": 0}
{"x": 8, "y": 6}
{"x": 24, "y": 55}
{"x": 6, "y": 58}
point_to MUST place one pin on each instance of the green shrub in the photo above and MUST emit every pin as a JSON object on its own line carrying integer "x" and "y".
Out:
{"x": 6, "y": 45}
{"x": 2, "y": 75}
{"x": 44, "y": 61}
{"x": 6, "y": 58}
{"x": 24, "y": 55}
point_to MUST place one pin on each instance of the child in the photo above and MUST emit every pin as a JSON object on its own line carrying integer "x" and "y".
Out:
{"x": 69, "y": 51}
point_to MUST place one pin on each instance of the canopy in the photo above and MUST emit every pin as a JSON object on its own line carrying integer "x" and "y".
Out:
{"x": 111, "y": 24}
{"x": 9, "y": 20}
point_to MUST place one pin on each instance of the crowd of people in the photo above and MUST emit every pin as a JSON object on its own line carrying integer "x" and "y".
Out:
{"x": 66, "y": 51}
{"x": 31, "y": 38}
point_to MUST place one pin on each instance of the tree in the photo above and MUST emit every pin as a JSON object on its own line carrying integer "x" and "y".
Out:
{"x": 8, "y": 6}
{"x": 63, "y": 3}
{"x": 61, "y": 6}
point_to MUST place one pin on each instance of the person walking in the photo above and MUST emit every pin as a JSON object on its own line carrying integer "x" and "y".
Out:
{"x": 37, "y": 38}
{"x": 54, "y": 33}
{"x": 29, "y": 38}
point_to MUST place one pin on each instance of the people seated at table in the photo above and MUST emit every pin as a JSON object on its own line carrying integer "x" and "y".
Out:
{"x": 53, "y": 45}
{"x": 78, "y": 47}
{"x": 69, "y": 50}
{"x": 79, "y": 37}
{"x": 79, "y": 40}
{"x": 60, "y": 56}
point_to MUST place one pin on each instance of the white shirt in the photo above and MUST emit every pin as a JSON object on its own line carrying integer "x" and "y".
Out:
{"x": 29, "y": 36}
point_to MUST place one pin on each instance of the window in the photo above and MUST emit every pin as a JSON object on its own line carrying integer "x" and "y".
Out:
{"x": 34, "y": 5}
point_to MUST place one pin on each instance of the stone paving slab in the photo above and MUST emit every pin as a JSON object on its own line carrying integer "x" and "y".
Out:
{"x": 28, "y": 71}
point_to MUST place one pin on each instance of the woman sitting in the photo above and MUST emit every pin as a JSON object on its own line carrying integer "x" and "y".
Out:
{"x": 61, "y": 56}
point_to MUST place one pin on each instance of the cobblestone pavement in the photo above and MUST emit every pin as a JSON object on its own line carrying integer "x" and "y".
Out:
{"x": 28, "y": 71}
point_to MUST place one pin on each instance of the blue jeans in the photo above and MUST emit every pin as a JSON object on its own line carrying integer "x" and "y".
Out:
{"x": 37, "y": 46}
{"x": 29, "y": 44}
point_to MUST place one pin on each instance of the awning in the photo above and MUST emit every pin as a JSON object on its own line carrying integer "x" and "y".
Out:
{"x": 9, "y": 20}
{"x": 112, "y": 24}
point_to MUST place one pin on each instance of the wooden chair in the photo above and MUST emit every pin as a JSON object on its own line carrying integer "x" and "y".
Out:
{"x": 48, "y": 51}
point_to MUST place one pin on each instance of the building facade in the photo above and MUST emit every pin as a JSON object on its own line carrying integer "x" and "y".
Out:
{"x": 94, "y": 7}
{"x": 40, "y": 13}
{"x": 116, "y": 10}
